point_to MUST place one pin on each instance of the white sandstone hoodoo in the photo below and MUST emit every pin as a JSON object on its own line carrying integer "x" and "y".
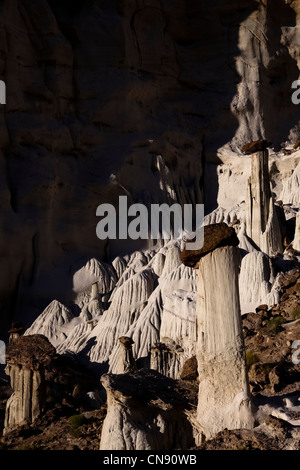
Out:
{"x": 224, "y": 399}
{"x": 126, "y": 361}
{"x": 262, "y": 224}
{"x": 296, "y": 242}
{"x": 27, "y": 357}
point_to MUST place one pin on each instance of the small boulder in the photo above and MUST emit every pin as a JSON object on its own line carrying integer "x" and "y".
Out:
{"x": 189, "y": 369}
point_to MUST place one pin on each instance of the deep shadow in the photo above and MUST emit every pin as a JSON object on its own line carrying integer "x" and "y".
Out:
{"x": 280, "y": 114}
{"x": 191, "y": 94}
{"x": 186, "y": 68}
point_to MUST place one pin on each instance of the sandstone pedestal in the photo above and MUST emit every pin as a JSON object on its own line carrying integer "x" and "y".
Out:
{"x": 224, "y": 399}
{"x": 126, "y": 362}
{"x": 27, "y": 357}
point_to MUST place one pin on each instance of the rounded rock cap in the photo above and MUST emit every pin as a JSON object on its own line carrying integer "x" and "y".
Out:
{"x": 215, "y": 236}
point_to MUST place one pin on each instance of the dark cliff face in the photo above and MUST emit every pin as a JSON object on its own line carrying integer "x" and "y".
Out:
{"x": 106, "y": 98}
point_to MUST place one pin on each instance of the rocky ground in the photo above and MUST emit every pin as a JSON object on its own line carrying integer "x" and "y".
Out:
{"x": 274, "y": 377}
{"x": 64, "y": 427}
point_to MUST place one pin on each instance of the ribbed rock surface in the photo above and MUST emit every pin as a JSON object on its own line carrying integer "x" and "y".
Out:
{"x": 262, "y": 223}
{"x": 296, "y": 242}
{"x": 167, "y": 359}
{"x": 126, "y": 304}
{"x": 255, "y": 281}
{"x": 95, "y": 271}
{"x": 291, "y": 188}
{"x": 144, "y": 413}
{"x": 224, "y": 399}
{"x": 178, "y": 320}
{"x": 52, "y": 323}
{"x": 26, "y": 359}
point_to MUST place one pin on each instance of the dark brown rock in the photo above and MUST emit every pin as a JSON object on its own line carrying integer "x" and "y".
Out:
{"x": 16, "y": 327}
{"x": 189, "y": 369}
{"x": 263, "y": 307}
{"x": 256, "y": 146}
{"x": 215, "y": 236}
{"x": 126, "y": 340}
{"x": 31, "y": 351}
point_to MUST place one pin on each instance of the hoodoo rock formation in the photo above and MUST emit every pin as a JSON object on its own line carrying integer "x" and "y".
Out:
{"x": 126, "y": 360}
{"x": 215, "y": 236}
{"x": 27, "y": 357}
{"x": 224, "y": 398}
{"x": 262, "y": 223}
{"x": 256, "y": 277}
{"x": 144, "y": 413}
{"x": 165, "y": 102}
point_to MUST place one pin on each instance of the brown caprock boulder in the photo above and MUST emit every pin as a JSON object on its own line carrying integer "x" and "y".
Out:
{"x": 215, "y": 236}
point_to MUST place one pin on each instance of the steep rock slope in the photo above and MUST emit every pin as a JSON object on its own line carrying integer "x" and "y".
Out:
{"x": 109, "y": 98}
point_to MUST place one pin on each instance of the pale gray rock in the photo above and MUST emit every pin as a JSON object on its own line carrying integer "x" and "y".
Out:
{"x": 167, "y": 359}
{"x": 224, "y": 399}
{"x": 53, "y": 322}
{"x": 93, "y": 272}
{"x": 94, "y": 307}
{"x": 256, "y": 278}
{"x": 291, "y": 188}
{"x": 127, "y": 303}
{"x": 26, "y": 403}
{"x": 296, "y": 242}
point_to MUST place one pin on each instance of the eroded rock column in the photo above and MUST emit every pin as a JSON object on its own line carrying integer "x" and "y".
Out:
{"x": 262, "y": 224}
{"x": 296, "y": 242}
{"x": 26, "y": 358}
{"x": 224, "y": 399}
{"x": 167, "y": 359}
{"x": 126, "y": 362}
{"x": 144, "y": 412}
